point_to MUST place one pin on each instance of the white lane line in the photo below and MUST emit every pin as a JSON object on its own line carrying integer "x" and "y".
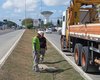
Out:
{"x": 82, "y": 73}
{"x": 2, "y": 61}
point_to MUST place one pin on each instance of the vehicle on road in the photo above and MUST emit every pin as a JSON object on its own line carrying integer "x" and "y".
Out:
{"x": 2, "y": 26}
{"x": 48, "y": 30}
{"x": 59, "y": 31}
{"x": 81, "y": 33}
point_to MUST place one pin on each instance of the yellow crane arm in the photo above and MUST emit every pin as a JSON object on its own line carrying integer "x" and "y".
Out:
{"x": 75, "y": 7}
{"x": 88, "y": 1}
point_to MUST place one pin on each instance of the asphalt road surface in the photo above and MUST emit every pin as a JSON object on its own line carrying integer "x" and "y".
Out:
{"x": 7, "y": 41}
{"x": 6, "y": 31}
{"x": 55, "y": 39}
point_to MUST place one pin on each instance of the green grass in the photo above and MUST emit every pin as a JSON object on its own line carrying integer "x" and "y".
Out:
{"x": 19, "y": 64}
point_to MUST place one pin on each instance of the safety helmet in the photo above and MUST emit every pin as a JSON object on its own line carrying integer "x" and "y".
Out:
{"x": 40, "y": 32}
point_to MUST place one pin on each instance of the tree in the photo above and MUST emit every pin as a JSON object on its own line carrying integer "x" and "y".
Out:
{"x": 9, "y": 23}
{"x": 59, "y": 23}
{"x": 28, "y": 23}
{"x": 42, "y": 23}
{"x": 49, "y": 24}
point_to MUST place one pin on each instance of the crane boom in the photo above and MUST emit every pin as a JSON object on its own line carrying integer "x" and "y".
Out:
{"x": 88, "y": 1}
{"x": 74, "y": 10}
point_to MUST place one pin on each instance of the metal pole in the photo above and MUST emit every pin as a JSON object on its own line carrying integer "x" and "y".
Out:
{"x": 25, "y": 8}
{"x": 25, "y": 13}
{"x": 40, "y": 14}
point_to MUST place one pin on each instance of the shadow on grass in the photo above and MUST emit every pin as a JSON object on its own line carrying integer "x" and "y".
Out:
{"x": 54, "y": 62}
{"x": 57, "y": 70}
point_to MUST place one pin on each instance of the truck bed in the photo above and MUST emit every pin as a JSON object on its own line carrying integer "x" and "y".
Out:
{"x": 86, "y": 31}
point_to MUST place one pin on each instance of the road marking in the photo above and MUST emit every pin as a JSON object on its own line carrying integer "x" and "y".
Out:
{"x": 82, "y": 73}
{"x": 2, "y": 61}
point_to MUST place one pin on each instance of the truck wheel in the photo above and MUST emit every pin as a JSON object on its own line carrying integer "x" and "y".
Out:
{"x": 63, "y": 43}
{"x": 85, "y": 59}
{"x": 77, "y": 54}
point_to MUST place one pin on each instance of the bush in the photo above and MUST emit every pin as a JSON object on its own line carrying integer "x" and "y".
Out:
{"x": 30, "y": 26}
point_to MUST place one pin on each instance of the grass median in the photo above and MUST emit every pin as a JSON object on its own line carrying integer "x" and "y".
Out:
{"x": 19, "y": 64}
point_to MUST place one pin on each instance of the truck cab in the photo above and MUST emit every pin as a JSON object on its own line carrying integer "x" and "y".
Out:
{"x": 63, "y": 31}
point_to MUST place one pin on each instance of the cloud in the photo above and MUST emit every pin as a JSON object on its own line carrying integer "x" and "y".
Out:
{"x": 55, "y": 2}
{"x": 19, "y": 5}
{"x": 7, "y": 4}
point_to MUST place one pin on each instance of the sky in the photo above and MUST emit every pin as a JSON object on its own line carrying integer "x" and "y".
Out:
{"x": 16, "y": 10}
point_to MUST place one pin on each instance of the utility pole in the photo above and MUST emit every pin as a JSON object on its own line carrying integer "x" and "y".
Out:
{"x": 40, "y": 15}
{"x": 25, "y": 13}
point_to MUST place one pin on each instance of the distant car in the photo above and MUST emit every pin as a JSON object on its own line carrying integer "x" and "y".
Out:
{"x": 49, "y": 30}
{"x": 59, "y": 31}
{"x": 54, "y": 30}
{"x": 2, "y": 27}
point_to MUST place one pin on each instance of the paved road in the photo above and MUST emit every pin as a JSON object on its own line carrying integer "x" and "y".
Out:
{"x": 7, "y": 41}
{"x": 55, "y": 39}
{"x": 6, "y": 31}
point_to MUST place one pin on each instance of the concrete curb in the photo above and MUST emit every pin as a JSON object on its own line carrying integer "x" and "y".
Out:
{"x": 78, "y": 69}
{"x": 2, "y": 61}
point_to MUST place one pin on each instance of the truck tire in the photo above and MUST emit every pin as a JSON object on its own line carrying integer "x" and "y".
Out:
{"x": 63, "y": 43}
{"x": 85, "y": 59}
{"x": 85, "y": 62}
{"x": 77, "y": 54}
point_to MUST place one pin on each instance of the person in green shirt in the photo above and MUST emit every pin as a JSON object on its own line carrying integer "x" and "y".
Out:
{"x": 36, "y": 50}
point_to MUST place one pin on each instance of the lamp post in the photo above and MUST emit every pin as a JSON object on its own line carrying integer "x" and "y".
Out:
{"x": 25, "y": 13}
{"x": 40, "y": 15}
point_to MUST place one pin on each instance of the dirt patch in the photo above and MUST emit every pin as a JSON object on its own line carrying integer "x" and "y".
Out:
{"x": 19, "y": 64}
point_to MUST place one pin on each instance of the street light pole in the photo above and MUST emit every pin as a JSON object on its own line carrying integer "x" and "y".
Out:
{"x": 25, "y": 13}
{"x": 25, "y": 8}
{"x": 40, "y": 15}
